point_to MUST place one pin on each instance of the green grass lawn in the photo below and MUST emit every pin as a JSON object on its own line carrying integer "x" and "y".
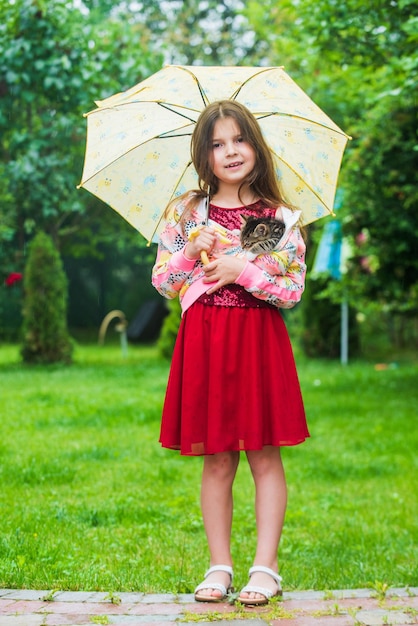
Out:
{"x": 89, "y": 500}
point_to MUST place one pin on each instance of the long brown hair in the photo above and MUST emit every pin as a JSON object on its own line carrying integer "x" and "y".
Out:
{"x": 262, "y": 180}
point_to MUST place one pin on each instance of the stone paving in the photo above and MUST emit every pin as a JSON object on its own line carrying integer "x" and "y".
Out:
{"x": 359, "y": 607}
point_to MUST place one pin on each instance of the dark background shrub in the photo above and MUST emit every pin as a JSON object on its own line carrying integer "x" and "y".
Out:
{"x": 45, "y": 334}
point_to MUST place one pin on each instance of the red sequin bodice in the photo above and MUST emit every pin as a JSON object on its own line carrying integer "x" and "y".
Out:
{"x": 235, "y": 295}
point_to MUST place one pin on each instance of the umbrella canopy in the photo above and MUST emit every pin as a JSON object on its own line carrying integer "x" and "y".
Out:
{"x": 138, "y": 142}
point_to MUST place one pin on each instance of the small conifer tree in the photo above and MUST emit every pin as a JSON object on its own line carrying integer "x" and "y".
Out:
{"x": 45, "y": 334}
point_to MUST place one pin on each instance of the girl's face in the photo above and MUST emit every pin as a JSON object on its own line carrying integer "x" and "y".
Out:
{"x": 233, "y": 159}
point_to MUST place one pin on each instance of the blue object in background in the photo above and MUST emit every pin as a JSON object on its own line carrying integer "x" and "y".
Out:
{"x": 329, "y": 260}
{"x": 328, "y": 256}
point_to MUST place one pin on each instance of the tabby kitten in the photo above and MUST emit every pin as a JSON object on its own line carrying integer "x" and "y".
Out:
{"x": 260, "y": 235}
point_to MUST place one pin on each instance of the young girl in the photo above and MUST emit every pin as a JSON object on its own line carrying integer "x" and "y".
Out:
{"x": 233, "y": 384}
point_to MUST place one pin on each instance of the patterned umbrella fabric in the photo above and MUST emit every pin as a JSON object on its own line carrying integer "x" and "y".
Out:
{"x": 138, "y": 142}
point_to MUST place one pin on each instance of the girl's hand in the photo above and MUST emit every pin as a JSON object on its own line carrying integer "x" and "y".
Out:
{"x": 204, "y": 240}
{"x": 224, "y": 270}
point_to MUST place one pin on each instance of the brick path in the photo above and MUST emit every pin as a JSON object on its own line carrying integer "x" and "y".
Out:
{"x": 307, "y": 608}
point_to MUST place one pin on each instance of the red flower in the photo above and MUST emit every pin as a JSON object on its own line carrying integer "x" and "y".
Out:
{"x": 13, "y": 278}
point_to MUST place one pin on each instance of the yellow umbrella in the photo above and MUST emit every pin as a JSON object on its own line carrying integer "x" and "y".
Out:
{"x": 138, "y": 142}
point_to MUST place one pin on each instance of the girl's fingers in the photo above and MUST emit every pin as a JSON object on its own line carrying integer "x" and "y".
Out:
{"x": 223, "y": 271}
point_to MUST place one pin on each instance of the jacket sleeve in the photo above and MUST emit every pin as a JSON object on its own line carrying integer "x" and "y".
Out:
{"x": 279, "y": 276}
{"x": 172, "y": 268}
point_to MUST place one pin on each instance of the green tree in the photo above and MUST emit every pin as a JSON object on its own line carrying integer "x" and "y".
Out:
{"x": 381, "y": 176}
{"x": 214, "y": 32}
{"x": 360, "y": 64}
{"x": 45, "y": 334}
{"x": 55, "y": 61}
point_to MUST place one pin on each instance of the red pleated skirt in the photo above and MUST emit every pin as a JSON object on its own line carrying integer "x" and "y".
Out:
{"x": 233, "y": 383}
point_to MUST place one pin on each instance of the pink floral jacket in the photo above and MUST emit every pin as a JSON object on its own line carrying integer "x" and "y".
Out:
{"x": 277, "y": 277}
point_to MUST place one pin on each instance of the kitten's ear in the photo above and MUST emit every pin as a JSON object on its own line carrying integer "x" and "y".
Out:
{"x": 261, "y": 230}
{"x": 244, "y": 219}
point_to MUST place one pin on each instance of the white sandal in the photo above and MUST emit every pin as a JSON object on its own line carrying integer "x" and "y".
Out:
{"x": 212, "y": 585}
{"x": 267, "y": 593}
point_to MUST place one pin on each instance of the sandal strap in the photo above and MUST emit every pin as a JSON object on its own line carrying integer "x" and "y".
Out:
{"x": 268, "y": 593}
{"x": 266, "y": 570}
{"x": 217, "y": 586}
{"x": 220, "y": 568}
{"x": 213, "y": 585}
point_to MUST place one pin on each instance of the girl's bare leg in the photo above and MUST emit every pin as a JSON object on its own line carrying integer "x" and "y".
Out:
{"x": 270, "y": 507}
{"x": 217, "y": 503}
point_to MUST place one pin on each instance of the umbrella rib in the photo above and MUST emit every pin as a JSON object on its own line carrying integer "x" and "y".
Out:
{"x": 168, "y": 203}
{"x": 162, "y": 136}
{"x": 261, "y": 116}
{"x": 169, "y": 135}
{"x": 265, "y": 69}
{"x": 292, "y": 169}
{"x": 201, "y": 90}
{"x": 168, "y": 105}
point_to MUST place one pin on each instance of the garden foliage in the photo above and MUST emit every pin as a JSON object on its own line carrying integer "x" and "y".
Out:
{"x": 45, "y": 334}
{"x": 357, "y": 60}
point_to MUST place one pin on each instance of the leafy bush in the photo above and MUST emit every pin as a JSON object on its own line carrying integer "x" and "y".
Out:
{"x": 170, "y": 328}
{"x": 45, "y": 334}
{"x": 322, "y": 323}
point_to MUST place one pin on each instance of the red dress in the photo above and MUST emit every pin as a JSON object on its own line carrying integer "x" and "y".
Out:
{"x": 233, "y": 383}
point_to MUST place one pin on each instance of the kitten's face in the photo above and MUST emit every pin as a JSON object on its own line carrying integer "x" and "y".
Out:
{"x": 261, "y": 234}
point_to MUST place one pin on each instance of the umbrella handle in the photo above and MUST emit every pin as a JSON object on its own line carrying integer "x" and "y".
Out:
{"x": 203, "y": 254}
